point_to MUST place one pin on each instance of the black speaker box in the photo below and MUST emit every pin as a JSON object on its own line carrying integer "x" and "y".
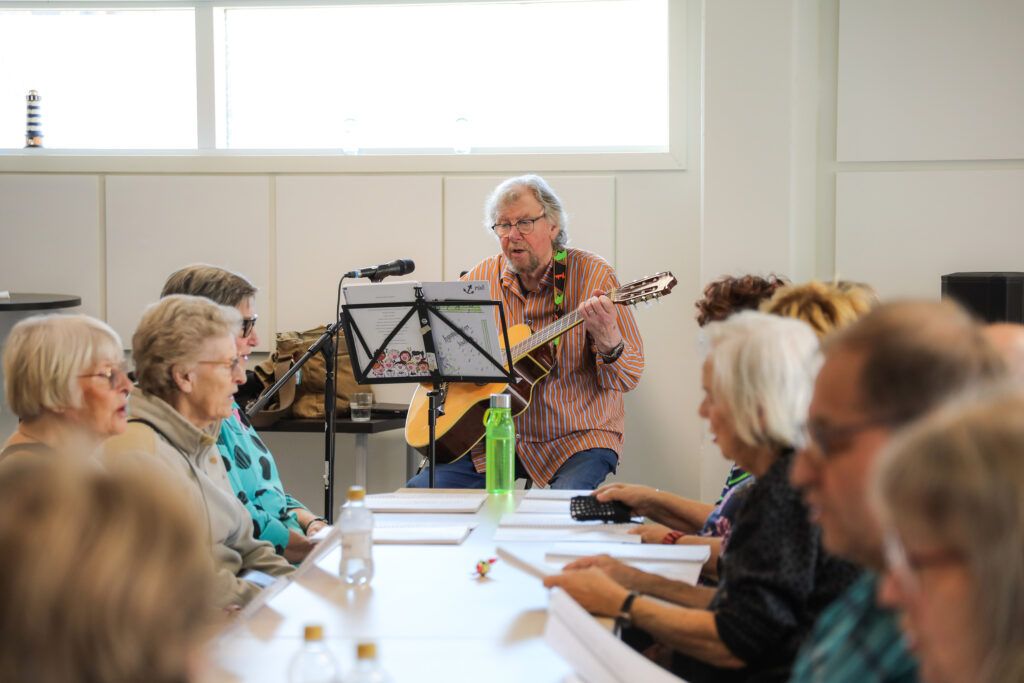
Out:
{"x": 993, "y": 297}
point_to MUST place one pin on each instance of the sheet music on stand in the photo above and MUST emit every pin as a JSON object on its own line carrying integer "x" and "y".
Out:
{"x": 381, "y": 319}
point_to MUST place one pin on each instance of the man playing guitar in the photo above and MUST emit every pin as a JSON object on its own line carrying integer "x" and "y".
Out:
{"x": 570, "y": 435}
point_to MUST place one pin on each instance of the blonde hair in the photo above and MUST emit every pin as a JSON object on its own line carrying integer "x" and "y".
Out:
{"x": 763, "y": 368}
{"x": 106, "y": 576}
{"x": 825, "y": 307}
{"x": 956, "y": 479}
{"x": 171, "y": 333}
{"x": 45, "y": 354}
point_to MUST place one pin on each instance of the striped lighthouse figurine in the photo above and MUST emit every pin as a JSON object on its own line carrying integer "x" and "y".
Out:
{"x": 34, "y": 134}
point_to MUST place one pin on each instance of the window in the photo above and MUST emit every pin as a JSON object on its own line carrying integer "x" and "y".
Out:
{"x": 469, "y": 77}
{"x": 107, "y": 79}
{"x": 492, "y": 77}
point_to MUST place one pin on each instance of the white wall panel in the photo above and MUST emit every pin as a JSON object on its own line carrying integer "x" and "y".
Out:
{"x": 663, "y": 432}
{"x": 328, "y": 225}
{"x": 901, "y": 231}
{"x": 157, "y": 224}
{"x": 930, "y": 80}
{"x": 749, "y": 100}
{"x": 52, "y": 237}
{"x": 589, "y": 202}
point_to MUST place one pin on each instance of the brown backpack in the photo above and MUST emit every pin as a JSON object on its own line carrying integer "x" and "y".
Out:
{"x": 305, "y": 397}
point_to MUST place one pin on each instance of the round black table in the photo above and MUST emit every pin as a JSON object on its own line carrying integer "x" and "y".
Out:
{"x": 38, "y": 302}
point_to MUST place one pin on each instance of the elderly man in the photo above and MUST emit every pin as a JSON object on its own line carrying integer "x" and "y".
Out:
{"x": 570, "y": 436}
{"x": 886, "y": 370}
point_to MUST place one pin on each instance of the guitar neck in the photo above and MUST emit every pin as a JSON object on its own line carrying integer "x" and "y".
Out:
{"x": 545, "y": 335}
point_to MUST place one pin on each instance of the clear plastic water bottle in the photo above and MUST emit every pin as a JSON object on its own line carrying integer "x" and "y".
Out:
{"x": 314, "y": 663}
{"x": 356, "y": 522}
{"x": 501, "y": 445}
{"x": 367, "y": 668}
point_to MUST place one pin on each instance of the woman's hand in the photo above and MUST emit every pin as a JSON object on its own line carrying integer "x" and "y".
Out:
{"x": 650, "y": 533}
{"x": 620, "y": 573}
{"x": 639, "y": 498}
{"x": 298, "y": 547}
{"x": 592, "y": 589}
{"x": 315, "y": 526}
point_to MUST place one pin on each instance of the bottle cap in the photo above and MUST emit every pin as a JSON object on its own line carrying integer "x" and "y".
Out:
{"x": 356, "y": 493}
{"x": 366, "y": 651}
{"x": 314, "y": 632}
{"x": 501, "y": 401}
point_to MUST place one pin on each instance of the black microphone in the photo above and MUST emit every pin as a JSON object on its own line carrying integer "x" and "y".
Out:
{"x": 401, "y": 266}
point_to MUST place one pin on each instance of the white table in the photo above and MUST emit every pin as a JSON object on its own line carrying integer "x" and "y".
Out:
{"x": 431, "y": 620}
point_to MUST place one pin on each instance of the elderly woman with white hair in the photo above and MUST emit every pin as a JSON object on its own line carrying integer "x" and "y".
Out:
{"x": 950, "y": 494}
{"x": 65, "y": 382}
{"x": 775, "y": 576}
{"x": 188, "y": 370}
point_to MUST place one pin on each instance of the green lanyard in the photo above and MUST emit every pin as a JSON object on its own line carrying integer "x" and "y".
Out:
{"x": 560, "y": 271}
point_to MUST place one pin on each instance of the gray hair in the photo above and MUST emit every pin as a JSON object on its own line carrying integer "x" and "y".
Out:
{"x": 219, "y": 284}
{"x": 171, "y": 333}
{"x": 43, "y": 356}
{"x": 763, "y": 368}
{"x": 956, "y": 479}
{"x": 510, "y": 190}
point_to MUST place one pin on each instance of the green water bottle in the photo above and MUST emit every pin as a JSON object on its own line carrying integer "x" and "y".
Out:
{"x": 501, "y": 445}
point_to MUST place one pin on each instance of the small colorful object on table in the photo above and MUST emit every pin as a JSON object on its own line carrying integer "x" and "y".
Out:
{"x": 484, "y": 566}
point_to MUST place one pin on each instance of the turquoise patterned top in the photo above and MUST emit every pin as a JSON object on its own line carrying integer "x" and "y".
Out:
{"x": 253, "y": 475}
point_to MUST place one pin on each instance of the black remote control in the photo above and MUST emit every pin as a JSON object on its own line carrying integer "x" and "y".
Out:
{"x": 585, "y": 508}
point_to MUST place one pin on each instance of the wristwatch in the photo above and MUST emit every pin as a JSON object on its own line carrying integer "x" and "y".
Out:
{"x": 625, "y": 617}
{"x": 614, "y": 354}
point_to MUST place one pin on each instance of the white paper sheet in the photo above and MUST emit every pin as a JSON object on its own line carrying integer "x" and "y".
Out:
{"x": 565, "y": 552}
{"x": 596, "y": 654}
{"x": 421, "y": 535}
{"x": 425, "y": 502}
{"x": 532, "y": 568}
{"x": 543, "y": 506}
{"x": 606, "y": 534}
{"x": 556, "y": 494}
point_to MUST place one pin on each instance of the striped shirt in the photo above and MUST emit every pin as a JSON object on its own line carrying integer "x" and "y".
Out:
{"x": 579, "y": 404}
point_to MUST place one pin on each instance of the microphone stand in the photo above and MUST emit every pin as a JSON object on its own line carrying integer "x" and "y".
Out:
{"x": 327, "y": 347}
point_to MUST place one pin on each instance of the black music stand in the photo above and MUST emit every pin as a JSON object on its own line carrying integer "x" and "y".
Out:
{"x": 440, "y": 342}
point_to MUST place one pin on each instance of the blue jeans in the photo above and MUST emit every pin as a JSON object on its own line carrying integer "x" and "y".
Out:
{"x": 583, "y": 470}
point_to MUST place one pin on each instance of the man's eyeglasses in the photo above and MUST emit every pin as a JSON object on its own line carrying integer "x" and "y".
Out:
{"x": 113, "y": 374}
{"x": 524, "y": 226}
{"x": 248, "y": 324}
{"x": 232, "y": 364}
{"x": 830, "y": 439}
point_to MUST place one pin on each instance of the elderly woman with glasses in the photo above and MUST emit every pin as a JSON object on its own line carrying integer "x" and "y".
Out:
{"x": 950, "y": 494}
{"x": 774, "y": 576}
{"x": 66, "y": 384}
{"x": 188, "y": 370}
{"x": 277, "y": 517}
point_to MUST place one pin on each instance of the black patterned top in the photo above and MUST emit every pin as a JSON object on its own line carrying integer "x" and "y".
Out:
{"x": 775, "y": 580}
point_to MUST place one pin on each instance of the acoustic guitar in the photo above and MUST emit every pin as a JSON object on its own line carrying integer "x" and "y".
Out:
{"x": 461, "y": 426}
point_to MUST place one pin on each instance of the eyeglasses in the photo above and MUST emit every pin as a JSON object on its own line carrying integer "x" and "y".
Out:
{"x": 906, "y": 567}
{"x": 832, "y": 440}
{"x": 113, "y": 374}
{"x": 248, "y": 324}
{"x": 232, "y": 364}
{"x": 524, "y": 226}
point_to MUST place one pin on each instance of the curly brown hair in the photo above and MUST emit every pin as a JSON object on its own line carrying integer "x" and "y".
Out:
{"x": 728, "y": 294}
